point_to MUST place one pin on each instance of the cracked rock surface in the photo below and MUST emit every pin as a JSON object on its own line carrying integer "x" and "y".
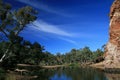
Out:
{"x": 112, "y": 51}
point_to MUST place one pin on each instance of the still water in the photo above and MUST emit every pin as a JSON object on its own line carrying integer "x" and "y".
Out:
{"x": 61, "y": 74}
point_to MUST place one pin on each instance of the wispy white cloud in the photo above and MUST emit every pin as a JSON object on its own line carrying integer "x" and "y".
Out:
{"x": 42, "y": 26}
{"x": 68, "y": 40}
{"x": 43, "y": 7}
{"x": 49, "y": 28}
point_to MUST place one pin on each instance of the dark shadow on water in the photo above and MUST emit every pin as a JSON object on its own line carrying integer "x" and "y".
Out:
{"x": 61, "y": 74}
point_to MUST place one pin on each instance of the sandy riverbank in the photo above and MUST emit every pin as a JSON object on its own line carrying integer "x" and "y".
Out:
{"x": 54, "y": 66}
{"x": 47, "y": 67}
{"x": 98, "y": 66}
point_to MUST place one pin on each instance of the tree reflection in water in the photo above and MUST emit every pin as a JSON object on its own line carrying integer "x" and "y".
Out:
{"x": 62, "y": 74}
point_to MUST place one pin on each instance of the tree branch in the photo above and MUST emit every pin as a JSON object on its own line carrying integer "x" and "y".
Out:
{"x": 22, "y": 27}
{"x": 3, "y": 32}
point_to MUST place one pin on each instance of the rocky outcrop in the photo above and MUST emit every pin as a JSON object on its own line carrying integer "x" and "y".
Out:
{"x": 112, "y": 54}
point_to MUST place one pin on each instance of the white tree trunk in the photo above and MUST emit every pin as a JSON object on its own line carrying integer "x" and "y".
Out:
{"x": 1, "y": 60}
{"x": 5, "y": 54}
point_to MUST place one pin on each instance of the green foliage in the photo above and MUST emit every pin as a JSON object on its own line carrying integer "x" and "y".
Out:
{"x": 22, "y": 52}
{"x": 12, "y": 22}
{"x": 14, "y": 49}
{"x": 74, "y": 65}
{"x": 97, "y": 53}
{"x": 2, "y": 70}
{"x": 25, "y": 52}
{"x": 83, "y": 55}
{"x": 2, "y": 74}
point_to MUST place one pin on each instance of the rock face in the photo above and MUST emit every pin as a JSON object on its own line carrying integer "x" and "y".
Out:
{"x": 112, "y": 54}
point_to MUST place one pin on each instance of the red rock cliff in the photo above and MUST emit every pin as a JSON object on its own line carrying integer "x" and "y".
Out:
{"x": 112, "y": 54}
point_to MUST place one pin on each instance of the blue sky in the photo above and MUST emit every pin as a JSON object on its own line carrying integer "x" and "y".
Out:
{"x": 65, "y": 24}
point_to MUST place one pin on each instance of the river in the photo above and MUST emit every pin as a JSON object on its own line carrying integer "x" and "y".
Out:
{"x": 61, "y": 74}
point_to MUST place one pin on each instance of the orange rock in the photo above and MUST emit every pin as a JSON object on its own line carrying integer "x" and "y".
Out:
{"x": 112, "y": 54}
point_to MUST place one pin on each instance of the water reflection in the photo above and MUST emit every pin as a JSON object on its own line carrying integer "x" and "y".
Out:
{"x": 61, "y": 74}
{"x": 81, "y": 74}
{"x": 113, "y": 76}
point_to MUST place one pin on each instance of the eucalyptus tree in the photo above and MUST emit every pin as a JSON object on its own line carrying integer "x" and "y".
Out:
{"x": 12, "y": 22}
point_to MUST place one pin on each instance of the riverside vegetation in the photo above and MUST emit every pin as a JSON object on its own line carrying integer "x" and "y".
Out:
{"x": 22, "y": 60}
{"x": 15, "y": 50}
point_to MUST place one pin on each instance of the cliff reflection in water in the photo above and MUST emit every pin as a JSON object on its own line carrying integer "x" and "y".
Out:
{"x": 112, "y": 76}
